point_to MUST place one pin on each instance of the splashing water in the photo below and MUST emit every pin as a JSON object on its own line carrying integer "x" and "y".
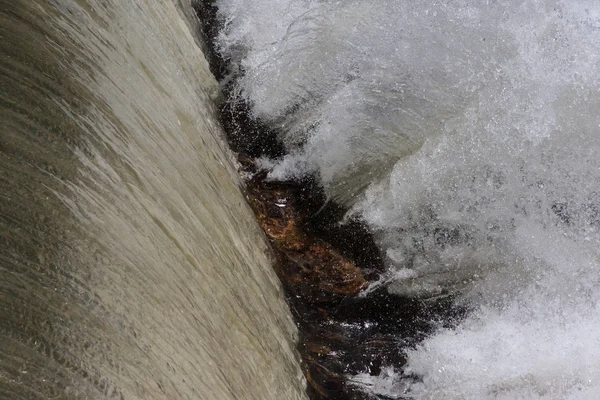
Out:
{"x": 467, "y": 135}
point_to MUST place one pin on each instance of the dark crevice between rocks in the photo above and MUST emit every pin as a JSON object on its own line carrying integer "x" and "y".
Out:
{"x": 323, "y": 265}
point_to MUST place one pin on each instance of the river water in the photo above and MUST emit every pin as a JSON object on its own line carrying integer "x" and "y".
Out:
{"x": 130, "y": 264}
{"x": 466, "y": 134}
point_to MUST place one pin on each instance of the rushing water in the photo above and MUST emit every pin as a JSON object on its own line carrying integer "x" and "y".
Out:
{"x": 466, "y": 134}
{"x": 130, "y": 264}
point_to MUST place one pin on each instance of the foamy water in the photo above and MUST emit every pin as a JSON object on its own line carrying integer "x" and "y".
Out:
{"x": 467, "y": 135}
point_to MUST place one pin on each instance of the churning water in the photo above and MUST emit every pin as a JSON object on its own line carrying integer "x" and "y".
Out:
{"x": 466, "y": 133}
{"x": 130, "y": 264}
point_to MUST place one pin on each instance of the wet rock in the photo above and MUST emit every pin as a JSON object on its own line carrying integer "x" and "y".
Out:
{"x": 307, "y": 263}
{"x": 341, "y": 331}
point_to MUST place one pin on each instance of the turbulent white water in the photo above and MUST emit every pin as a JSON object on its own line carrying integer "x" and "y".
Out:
{"x": 467, "y": 134}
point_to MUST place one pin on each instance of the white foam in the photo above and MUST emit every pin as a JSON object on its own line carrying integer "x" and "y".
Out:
{"x": 467, "y": 135}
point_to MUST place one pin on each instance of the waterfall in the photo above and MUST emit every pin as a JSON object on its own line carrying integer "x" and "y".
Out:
{"x": 131, "y": 266}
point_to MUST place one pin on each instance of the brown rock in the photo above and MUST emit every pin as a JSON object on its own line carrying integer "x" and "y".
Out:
{"x": 305, "y": 259}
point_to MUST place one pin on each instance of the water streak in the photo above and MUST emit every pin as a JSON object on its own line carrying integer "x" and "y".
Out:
{"x": 130, "y": 264}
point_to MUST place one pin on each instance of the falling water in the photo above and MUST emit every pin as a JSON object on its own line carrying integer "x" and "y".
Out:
{"x": 130, "y": 264}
